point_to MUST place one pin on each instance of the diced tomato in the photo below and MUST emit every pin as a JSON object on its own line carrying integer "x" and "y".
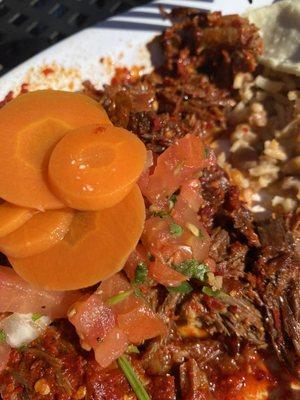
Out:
{"x": 115, "y": 285}
{"x": 134, "y": 316}
{"x": 164, "y": 274}
{"x": 190, "y": 192}
{"x": 180, "y": 162}
{"x": 137, "y": 256}
{"x": 199, "y": 244}
{"x": 20, "y": 297}
{"x": 4, "y": 355}
{"x": 183, "y": 213}
{"x": 157, "y": 236}
{"x": 182, "y": 253}
{"x": 141, "y": 324}
{"x": 92, "y": 318}
{"x": 188, "y": 217}
{"x": 112, "y": 347}
{"x": 108, "y": 329}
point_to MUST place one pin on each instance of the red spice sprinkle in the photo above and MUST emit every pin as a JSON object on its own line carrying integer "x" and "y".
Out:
{"x": 24, "y": 88}
{"x": 47, "y": 71}
{"x": 7, "y": 98}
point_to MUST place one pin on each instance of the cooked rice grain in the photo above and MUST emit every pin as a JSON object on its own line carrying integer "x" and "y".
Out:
{"x": 264, "y": 141}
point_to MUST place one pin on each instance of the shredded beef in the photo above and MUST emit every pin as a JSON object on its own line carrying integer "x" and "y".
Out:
{"x": 183, "y": 94}
{"x": 220, "y": 45}
{"x": 278, "y": 270}
{"x": 194, "y": 382}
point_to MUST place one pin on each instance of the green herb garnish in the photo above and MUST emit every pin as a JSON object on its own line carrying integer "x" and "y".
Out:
{"x": 132, "y": 349}
{"x": 176, "y": 230}
{"x": 206, "y": 152}
{"x": 184, "y": 287}
{"x": 141, "y": 274}
{"x": 36, "y": 317}
{"x": 2, "y": 336}
{"x": 132, "y": 378}
{"x": 210, "y": 292}
{"x": 119, "y": 297}
{"x": 192, "y": 268}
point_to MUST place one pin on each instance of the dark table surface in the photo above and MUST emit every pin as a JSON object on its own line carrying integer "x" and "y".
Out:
{"x": 29, "y": 26}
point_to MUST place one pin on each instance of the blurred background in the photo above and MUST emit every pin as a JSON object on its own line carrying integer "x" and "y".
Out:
{"x": 29, "y": 26}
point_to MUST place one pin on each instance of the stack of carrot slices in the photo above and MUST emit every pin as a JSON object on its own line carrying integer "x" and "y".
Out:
{"x": 72, "y": 211}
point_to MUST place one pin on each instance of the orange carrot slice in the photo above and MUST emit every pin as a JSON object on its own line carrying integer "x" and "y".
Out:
{"x": 42, "y": 231}
{"x": 30, "y": 126}
{"x": 12, "y": 217}
{"x": 96, "y": 247}
{"x": 94, "y": 167}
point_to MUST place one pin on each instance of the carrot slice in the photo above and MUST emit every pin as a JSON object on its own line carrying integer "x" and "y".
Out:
{"x": 96, "y": 246}
{"x": 94, "y": 167}
{"x": 42, "y": 231}
{"x": 30, "y": 126}
{"x": 12, "y": 217}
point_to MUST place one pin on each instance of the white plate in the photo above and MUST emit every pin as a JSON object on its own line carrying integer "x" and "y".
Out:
{"x": 119, "y": 41}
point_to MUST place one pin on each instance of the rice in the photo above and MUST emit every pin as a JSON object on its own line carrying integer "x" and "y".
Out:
{"x": 262, "y": 145}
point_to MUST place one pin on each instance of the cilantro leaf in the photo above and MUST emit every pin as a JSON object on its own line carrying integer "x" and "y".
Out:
{"x": 176, "y": 230}
{"x": 192, "y": 268}
{"x": 2, "y": 336}
{"x": 36, "y": 316}
{"x": 184, "y": 287}
{"x": 141, "y": 274}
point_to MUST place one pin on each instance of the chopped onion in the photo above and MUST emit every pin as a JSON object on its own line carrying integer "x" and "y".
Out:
{"x": 21, "y": 329}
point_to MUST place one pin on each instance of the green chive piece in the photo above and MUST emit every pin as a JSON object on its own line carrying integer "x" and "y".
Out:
{"x": 36, "y": 317}
{"x": 119, "y": 297}
{"x": 133, "y": 379}
{"x": 2, "y": 336}
{"x": 210, "y": 292}
{"x": 176, "y": 230}
{"x": 184, "y": 287}
{"x": 141, "y": 274}
{"x": 132, "y": 349}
